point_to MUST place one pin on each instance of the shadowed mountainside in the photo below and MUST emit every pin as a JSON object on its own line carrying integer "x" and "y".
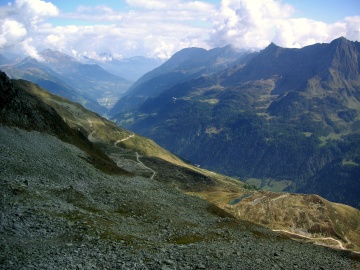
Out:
{"x": 184, "y": 65}
{"x": 289, "y": 115}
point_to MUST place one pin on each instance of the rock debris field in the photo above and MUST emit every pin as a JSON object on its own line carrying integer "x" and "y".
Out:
{"x": 59, "y": 212}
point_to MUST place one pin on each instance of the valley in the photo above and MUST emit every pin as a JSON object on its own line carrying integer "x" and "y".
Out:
{"x": 288, "y": 117}
{"x": 85, "y": 82}
{"x": 78, "y": 191}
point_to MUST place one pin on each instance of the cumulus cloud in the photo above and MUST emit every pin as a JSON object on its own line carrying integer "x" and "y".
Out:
{"x": 151, "y": 28}
{"x": 248, "y": 23}
{"x": 301, "y": 32}
{"x": 11, "y": 32}
{"x": 352, "y": 27}
{"x": 30, "y": 50}
{"x": 21, "y": 23}
{"x": 256, "y": 23}
{"x": 37, "y": 7}
{"x": 157, "y": 28}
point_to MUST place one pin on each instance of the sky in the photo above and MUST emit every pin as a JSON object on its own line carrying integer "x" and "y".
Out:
{"x": 111, "y": 29}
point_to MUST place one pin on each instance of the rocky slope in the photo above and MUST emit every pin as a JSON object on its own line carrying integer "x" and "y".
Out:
{"x": 59, "y": 212}
{"x": 62, "y": 208}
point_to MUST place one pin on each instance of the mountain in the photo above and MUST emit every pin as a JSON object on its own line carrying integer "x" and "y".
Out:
{"x": 130, "y": 68}
{"x": 65, "y": 196}
{"x": 91, "y": 79}
{"x": 3, "y": 59}
{"x": 184, "y": 65}
{"x": 34, "y": 71}
{"x": 287, "y": 119}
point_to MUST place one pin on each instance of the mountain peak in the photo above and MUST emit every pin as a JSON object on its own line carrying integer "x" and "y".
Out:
{"x": 56, "y": 56}
{"x": 185, "y": 55}
{"x": 340, "y": 40}
{"x": 272, "y": 46}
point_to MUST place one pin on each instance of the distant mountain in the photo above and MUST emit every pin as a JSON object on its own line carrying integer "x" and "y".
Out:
{"x": 36, "y": 72}
{"x": 184, "y": 65}
{"x": 3, "y": 59}
{"x": 130, "y": 68}
{"x": 289, "y": 115}
{"x": 91, "y": 79}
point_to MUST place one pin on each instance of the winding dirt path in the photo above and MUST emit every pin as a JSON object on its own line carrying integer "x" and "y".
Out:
{"x": 121, "y": 140}
{"x": 146, "y": 167}
{"x": 91, "y": 136}
{"x": 341, "y": 246}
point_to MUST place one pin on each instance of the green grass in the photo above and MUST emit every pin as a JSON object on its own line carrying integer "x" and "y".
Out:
{"x": 331, "y": 136}
{"x": 269, "y": 184}
{"x": 211, "y": 101}
{"x": 346, "y": 162}
{"x": 187, "y": 239}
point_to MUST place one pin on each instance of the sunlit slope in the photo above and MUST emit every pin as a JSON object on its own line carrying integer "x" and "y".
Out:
{"x": 97, "y": 128}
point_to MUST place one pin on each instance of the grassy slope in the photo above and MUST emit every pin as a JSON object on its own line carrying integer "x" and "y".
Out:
{"x": 97, "y": 128}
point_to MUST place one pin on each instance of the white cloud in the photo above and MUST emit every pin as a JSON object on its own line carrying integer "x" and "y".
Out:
{"x": 30, "y": 50}
{"x": 124, "y": 39}
{"x": 248, "y": 23}
{"x": 157, "y": 32}
{"x": 35, "y": 11}
{"x": 301, "y": 32}
{"x": 20, "y": 28}
{"x": 37, "y": 7}
{"x": 158, "y": 28}
{"x": 11, "y": 32}
{"x": 352, "y": 26}
{"x": 256, "y": 23}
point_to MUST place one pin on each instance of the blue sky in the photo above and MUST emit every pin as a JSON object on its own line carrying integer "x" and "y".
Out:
{"x": 329, "y": 11}
{"x": 159, "y": 28}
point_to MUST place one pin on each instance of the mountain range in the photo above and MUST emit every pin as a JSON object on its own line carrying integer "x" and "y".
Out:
{"x": 87, "y": 84}
{"x": 184, "y": 65}
{"x": 80, "y": 192}
{"x": 281, "y": 119}
{"x": 131, "y": 68}
{"x": 91, "y": 79}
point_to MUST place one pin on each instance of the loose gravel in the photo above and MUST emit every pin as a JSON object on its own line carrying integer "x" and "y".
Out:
{"x": 59, "y": 212}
